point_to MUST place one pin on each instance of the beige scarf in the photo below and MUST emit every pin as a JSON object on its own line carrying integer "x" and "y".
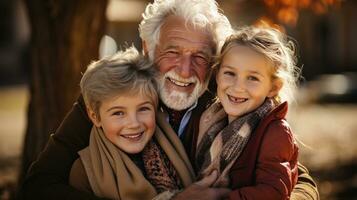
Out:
{"x": 112, "y": 174}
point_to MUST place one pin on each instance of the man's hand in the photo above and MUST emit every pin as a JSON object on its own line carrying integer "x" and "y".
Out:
{"x": 201, "y": 190}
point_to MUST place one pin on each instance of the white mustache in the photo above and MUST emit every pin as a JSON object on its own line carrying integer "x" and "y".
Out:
{"x": 175, "y": 99}
{"x": 174, "y": 76}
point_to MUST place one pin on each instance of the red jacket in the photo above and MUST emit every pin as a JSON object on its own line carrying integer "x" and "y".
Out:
{"x": 267, "y": 167}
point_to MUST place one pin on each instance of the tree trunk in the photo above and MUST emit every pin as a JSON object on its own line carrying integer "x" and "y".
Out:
{"x": 65, "y": 36}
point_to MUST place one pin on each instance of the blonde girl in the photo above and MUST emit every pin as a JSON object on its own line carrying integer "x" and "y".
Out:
{"x": 244, "y": 136}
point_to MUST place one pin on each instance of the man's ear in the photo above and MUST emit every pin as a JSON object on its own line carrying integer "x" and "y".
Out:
{"x": 275, "y": 88}
{"x": 145, "y": 48}
{"x": 93, "y": 117}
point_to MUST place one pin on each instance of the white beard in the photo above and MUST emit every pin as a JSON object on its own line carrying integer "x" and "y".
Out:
{"x": 179, "y": 100}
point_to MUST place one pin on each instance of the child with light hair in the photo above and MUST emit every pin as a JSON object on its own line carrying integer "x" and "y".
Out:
{"x": 128, "y": 157}
{"x": 244, "y": 135}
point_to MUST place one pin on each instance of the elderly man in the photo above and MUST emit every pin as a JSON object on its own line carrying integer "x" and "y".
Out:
{"x": 180, "y": 36}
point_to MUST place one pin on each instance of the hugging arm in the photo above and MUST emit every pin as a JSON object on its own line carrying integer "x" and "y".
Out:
{"x": 202, "y": 190}
{"x": 47, "y": 177}
{"x": 306, "y": 188}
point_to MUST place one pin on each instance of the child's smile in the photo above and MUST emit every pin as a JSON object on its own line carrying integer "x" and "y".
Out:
{"x": 128, "y": 121}
{"x": 133, "y": 136}
{"x": 236, "y": 99}
{"x": 243, "y": 81}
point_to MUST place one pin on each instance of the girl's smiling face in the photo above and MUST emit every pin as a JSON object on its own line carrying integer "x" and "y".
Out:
{"x": 244, "y": 80}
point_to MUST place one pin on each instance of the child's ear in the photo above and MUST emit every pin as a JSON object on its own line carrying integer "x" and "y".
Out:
{"x": 275, "y": 88}
{"x": 93, "y": 117}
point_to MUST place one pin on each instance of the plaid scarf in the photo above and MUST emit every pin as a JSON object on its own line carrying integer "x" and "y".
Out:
{"x": 222, "y": 143}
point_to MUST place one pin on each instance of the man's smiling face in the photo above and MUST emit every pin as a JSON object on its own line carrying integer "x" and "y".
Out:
{"x": 183, "y": 57}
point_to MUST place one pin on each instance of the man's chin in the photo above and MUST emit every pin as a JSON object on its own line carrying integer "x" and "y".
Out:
{"x": 178, "y": 102}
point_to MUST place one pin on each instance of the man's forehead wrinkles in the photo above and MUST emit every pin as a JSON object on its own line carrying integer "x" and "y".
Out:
{"x": 204, "y": 49}
{"x": 185, "y": 42}
{"x": 175, "y": 40}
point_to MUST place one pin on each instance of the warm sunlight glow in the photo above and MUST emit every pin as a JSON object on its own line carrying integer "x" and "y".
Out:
{"x": 286, "y": 12}
{"x": 266, "y": 22}
{"x": 288, "y": 16}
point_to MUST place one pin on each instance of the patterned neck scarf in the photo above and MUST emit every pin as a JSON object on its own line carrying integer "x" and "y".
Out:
{"x": 159, "y": 170}
{"x": 222, "y": 143}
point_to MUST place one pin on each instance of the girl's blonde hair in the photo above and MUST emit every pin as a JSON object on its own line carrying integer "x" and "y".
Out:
{"x": 276, "y": 47}
{"x": 126, "y": 72}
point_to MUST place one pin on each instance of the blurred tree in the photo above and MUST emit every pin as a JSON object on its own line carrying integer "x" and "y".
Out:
{"x": 65, "y": 37}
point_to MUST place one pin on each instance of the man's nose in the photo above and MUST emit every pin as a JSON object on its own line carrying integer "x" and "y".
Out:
{"x": 185, "y": 68}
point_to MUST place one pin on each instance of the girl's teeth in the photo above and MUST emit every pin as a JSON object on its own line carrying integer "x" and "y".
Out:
{"x": 236, "y": 100}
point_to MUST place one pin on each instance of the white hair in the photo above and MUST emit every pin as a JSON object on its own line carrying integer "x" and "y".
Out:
{"x": 200, "y": 13}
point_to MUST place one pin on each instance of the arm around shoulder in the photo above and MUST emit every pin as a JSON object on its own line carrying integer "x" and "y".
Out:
{"x": 306, "y": 188}
{"x": 78, "y": 177}
{"x": 47, "y": 177}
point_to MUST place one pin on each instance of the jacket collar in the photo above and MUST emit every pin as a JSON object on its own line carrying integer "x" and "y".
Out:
{"x": 277, "y": 113}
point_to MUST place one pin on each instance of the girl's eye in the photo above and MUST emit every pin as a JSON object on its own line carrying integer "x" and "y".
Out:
{"x": 118, "y": 113}
{"x": 228, "y": 73}
{"x": 253, "y": 78}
